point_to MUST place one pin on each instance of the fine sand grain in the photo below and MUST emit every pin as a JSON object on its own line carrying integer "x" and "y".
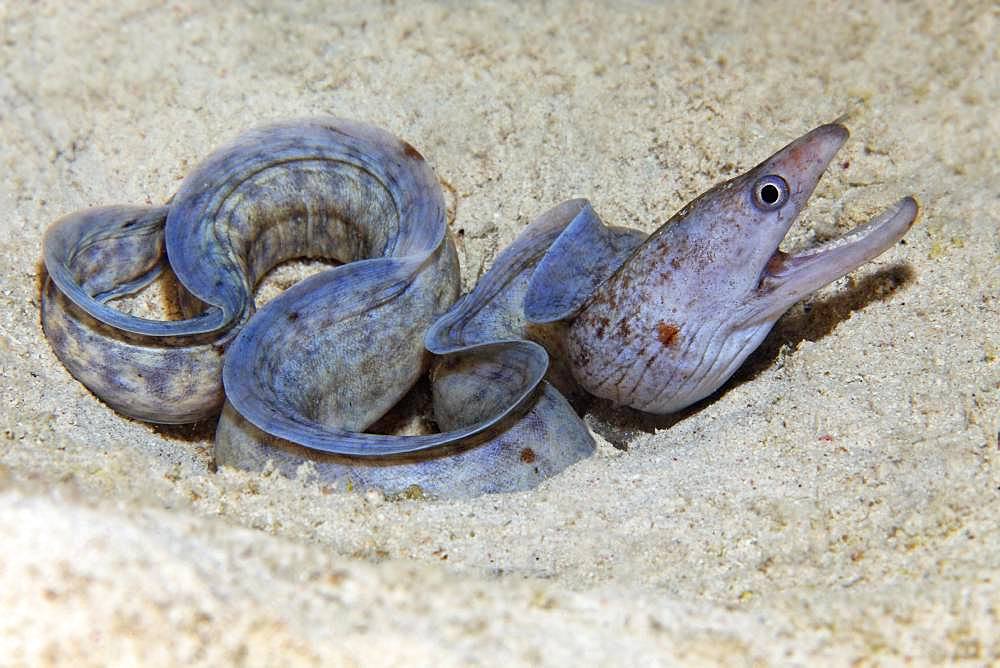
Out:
{"x": 837, "y": 501}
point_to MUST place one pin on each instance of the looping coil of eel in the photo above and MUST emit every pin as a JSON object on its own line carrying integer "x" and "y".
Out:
{"x": 655, "y": 322}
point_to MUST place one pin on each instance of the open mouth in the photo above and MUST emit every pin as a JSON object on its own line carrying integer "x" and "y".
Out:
{"x": 787, "y": 278}
{"x": 814, "y": 267}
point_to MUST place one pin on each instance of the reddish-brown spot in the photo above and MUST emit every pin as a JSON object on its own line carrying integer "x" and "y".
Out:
{"x": 845, "y": 164}
{"x": 527, "y": 455}
{"x": 827, "y": 438}
{"x": 667, "y": 334}
{"x": 624, "y": 330}
{"x": 411, "y": 152}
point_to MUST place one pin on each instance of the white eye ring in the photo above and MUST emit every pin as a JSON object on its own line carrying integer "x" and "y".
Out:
{"x": 770, "y": 192}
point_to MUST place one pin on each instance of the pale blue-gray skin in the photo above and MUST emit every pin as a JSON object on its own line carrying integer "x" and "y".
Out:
{"x": 681, "y": 314}
{"x": 470, "y": 384}
{"x": 138, "y": 366}
{"x": 549, "y": 285}
{"x": 655, "y": 325}
{"x": 329, "y": 356}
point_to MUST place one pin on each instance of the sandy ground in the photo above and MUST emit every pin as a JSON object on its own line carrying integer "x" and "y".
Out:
{"x": 836, "y": 502}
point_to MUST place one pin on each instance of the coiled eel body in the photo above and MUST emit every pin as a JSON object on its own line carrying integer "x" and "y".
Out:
{"x": 654, "y": 322}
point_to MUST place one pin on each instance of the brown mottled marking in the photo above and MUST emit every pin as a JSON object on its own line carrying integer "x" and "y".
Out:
{"x": 667, "y": 334}
{"x": 774, "y": 264}
{"x": 411, "y": 152}
{"x": 527, "y": 455}
{"x": 601, "y": 323}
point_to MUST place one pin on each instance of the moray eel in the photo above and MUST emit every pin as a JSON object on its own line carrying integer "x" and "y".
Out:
{"x": 670, "y": 324}
{"x": 572, "y": 306}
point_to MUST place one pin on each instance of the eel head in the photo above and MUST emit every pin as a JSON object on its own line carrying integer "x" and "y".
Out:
{"x": 684, "y": 310}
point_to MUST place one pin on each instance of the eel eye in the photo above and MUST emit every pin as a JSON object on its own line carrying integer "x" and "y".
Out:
{"x": 770, "y": 193}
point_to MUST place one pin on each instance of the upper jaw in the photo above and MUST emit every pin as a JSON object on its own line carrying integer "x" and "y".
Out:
{"x": 803, "y": 161}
